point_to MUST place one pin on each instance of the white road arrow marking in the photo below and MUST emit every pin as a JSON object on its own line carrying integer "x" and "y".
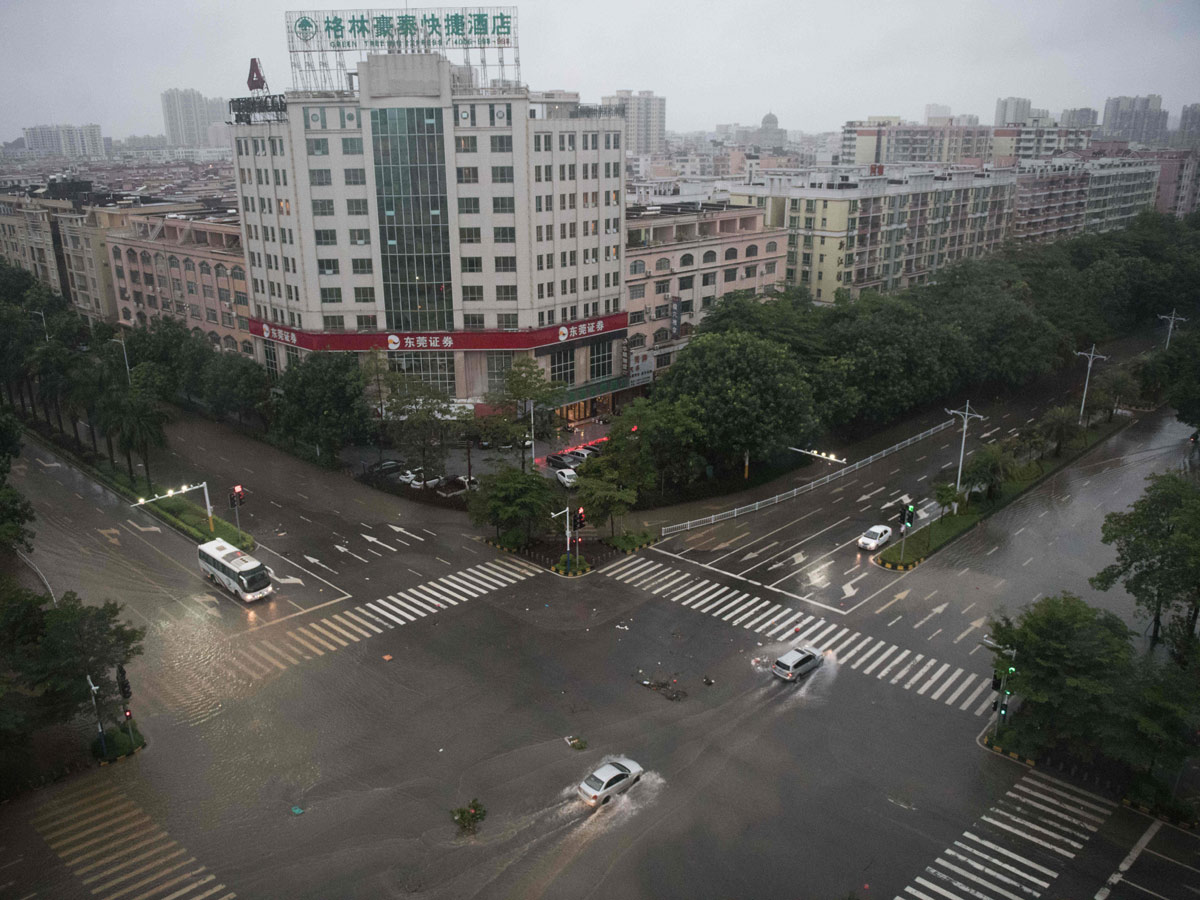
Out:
{"x": 872, "y": 494}
{"x": 848, "y": 589}
{"x": 903, "y": 499}
{"x": 143, "y": 527}
{"x": 20, "y": 468}
{"x": 402, "y": 531}
{"x": 47, "y": 465}
{"x": 342, "y": 549}
{"x": 317, "y": 562}
{"x": 212, "y": 605}
{"x": 111, "y": 533}
{"x": 291, "y": 579}
{"x": 978, "y": 623}
{"x": 933, "y": 612}
{"x": 753, "y": 554}
{"x": 374, "y": 540}
{"x": 899, "y": 596}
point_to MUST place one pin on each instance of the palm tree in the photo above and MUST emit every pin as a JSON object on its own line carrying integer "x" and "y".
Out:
{"x": 946, "y": 495}
{"x": 141, "y": 425}
{"x": 990, "y": 466}
{"x": 108, "y": 416}
{"x": 1059, "y": 424}
{"x": 84, "y": 388}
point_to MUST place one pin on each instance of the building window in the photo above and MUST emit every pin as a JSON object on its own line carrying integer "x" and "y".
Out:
{"x": 502, "y": 174}
{"x": 361, "y": 265}
{"x": 686, "y": 306}
{"x": 502, "y": 143}
{"x": 637, "y": 318}
{"x": 466, "y": 144}
{"x": 352, "y": 146}
{"x": 364, "y": 295}
{"x": 504, "y": 205}
{"x": 317, "y": 146}
{"x": 507, "y": 321}
{"x": 360, "y": 236}
{"x": 662, "y": 311}
{"x": 470, "y": 235}
{"x": 468, "y": 175}
{"x": 331, "y": 295}
{"x": 325, "y": 237}
{"x": 498, "y": 364}
{"x": 710, "y": 256}
{"x": 356, "y": 208}
{"x": 772, "y": 246}
{"x": 662, "y": 334}
{"x": 435, "y": 368}
{"x": 662, "y": 264}
{"x": 471, "y": 263}
{"x": 752, "y": 250}
{"x": 662, "y": 287}
{"x": 686, "y": 282}
{"x": 473, "y": 321}
{"x": 637, "y": 291}
{"x": 637, "y": 267}
{"x": 506, "y": 293}
{"x": 600, "y": 362}
{"x": 730, "y": 275}
{"x": 468, "y": 205}
{"x": 770, "y": 268}
{"x": 562, "y": 366}
{"x": 333, "y": 323}
{"x": 322, "y": 207}
{"x": 327, "y": 267}
{"x": 687, "y": 260}
{"x": 506, "y": 263}
{"x": 731, "y": 253}
{"x": 365, "y": 323}
{"x": 636, "y": 340}
{"x": 751, "y": 271}
{"x": 504, "y": 234}
{"x": 320, "y": 177}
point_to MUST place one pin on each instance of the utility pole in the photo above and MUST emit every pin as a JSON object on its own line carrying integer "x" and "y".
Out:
{"x": 967, "y": 416}
{"x": 532, "y": 455}
{"x": 99, "y": 724}
{"x": 1092, "y": 356}
{"x": 565, "y": 512}
{"x": 1171, "y": 320}
{"x": 125, "y": 353}
{"x": 46, "y": 331}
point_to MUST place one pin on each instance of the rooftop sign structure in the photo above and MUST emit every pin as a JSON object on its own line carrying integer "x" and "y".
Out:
{"x": 319, "y": 41}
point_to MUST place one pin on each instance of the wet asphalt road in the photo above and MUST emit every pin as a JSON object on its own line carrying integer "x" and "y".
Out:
{"x": 859, "y": 779}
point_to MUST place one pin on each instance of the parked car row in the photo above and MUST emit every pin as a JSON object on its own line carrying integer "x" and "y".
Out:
{"x": 566, "y": 462}
{"x": 395, "y": 472}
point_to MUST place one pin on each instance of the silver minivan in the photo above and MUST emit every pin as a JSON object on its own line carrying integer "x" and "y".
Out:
{"x": 797, "y": 663}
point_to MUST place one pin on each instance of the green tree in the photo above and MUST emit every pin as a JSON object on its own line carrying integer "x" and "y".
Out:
{"x": 1155, "y": 563}
{"x": 154, "y": 380}
{"x": 377, "y": 379}
{"x": 1072, "y": 665}
{"x": 234, "y": 384}
{"x": 46, "y": 652}
{"x": 516, "y": 503}
{"x": 1155, "y": 718}
{"x": 140, "y": 423}
{"x": 1059, "y": 424}
{"x": 525, "y": 384}
{"x": 749, "y": 396}
{"x": 601, "y": 494}
{"x": 990, "y": 466}
{"x": 15, "y": 511}
{"x": 417, "y": 417}
{"x": 322, "y": 403}
{"x": 945, "y": 495}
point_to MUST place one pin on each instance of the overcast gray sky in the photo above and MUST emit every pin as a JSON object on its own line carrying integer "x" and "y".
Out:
{"x": 815, "y": 64}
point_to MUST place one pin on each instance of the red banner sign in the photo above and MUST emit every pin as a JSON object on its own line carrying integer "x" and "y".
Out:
{"x": 526, "y": 339}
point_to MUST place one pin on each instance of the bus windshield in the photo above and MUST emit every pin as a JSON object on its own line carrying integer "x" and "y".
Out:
{"x": 255, "y": 579}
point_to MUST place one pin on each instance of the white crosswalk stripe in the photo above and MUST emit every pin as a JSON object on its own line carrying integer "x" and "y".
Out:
{"x": 1014, "y": 850}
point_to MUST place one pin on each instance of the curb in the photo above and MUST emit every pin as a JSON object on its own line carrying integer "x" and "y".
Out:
{"x": 1146, "y": 810}
{"x": 899, "y": 567}
{"x": 1011, "y": 754}
{"x": 115, "y": 759}
{"x": 554, "y": 569}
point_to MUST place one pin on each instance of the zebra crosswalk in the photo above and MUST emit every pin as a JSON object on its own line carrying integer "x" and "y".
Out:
{"x": 923, "y": 675}
{"x": 1017, "y": 848}
{"x": 243, "y": 662}
{"x": 116, "y": 849}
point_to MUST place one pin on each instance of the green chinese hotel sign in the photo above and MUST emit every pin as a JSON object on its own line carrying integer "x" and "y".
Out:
{"x": 405, "y": 29}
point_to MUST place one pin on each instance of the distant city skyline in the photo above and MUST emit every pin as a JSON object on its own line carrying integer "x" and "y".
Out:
{"x": 987, "y": 49}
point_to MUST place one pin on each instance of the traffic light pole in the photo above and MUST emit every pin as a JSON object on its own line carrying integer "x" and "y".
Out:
{"x": 99, "y": 723}
{"x": 1002, "y": 700}
{"x": 967, "y": 416}
{"x": 565, "y": 512}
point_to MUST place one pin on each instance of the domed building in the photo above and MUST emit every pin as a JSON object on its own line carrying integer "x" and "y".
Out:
{"x": 770, "y": 134}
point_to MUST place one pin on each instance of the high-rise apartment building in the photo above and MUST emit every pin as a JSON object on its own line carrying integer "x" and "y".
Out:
{"x": 1137, "y": 119}
{"x": 936, "y": 111}
{"x": 911, "y": 143}
{"x": 1081, "y": 117}
{"x": 645, "y": 120}
{"x": 1011, "y": 109}
{"x": 1035, "y": 139}
{"x": 187, "y": 115}
{"x": 1189, "y": 126}
{"x": 71, "y": 141}
{"x": 454, "y": 225}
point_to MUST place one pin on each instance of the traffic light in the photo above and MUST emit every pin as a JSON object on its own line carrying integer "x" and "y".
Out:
{"x": 232, "y": 500}
{"x": 123, "y": 683}
{"x": 238, "y": 495}
{"x": 128, "y": 714}
{"x": 910, "y": 515}
{"x": 995, "y": 681}
{"x": 1004, "y": 709}
{"x": 582, "y": 517}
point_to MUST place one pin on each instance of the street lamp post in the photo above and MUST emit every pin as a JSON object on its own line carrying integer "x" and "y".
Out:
{"x": 99, "y": 724}
{"x": 967, "y": 416}
{"x": 1092, "y": 356}
{"x": 565, "y": 512}
{"x": 203, "y": 485}
{"x": 1171, "y": 320}
{"x": 125, "y": 353}
{"x": 45, "y": 330}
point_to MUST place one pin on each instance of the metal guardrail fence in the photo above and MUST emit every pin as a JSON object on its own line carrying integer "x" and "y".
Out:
{"x": 804, "y": 488}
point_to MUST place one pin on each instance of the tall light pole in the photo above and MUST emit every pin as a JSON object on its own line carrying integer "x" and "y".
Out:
{"x": 202, "y": 486}
{"x": 1092, "y": 356}
{"x": 125, "y": 353}
{"x": 45, "y": 330}
{"x": 1171, "y": 320}
{"x": 967, "y": 416}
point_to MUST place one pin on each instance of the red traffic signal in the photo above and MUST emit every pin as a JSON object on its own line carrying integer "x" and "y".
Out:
{"x": 237, "y": 488}
{"x": 128, "y": 714}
